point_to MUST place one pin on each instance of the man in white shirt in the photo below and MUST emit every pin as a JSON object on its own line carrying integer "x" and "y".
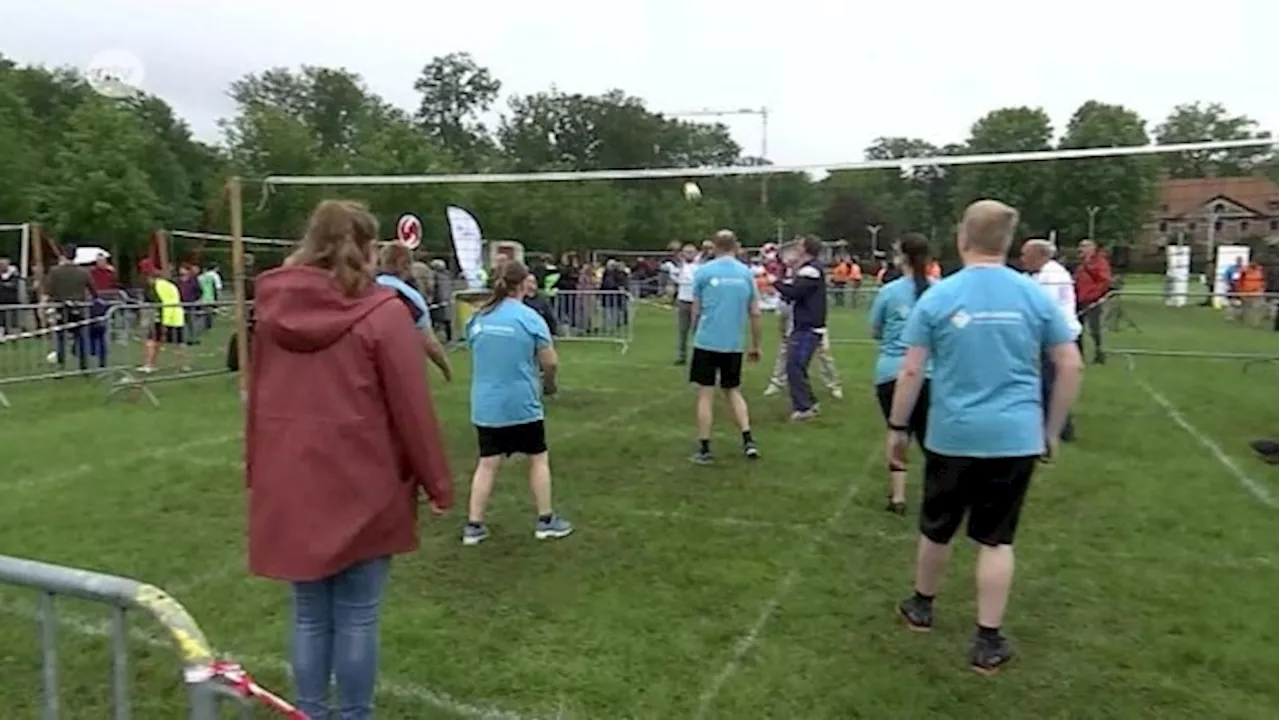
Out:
{"x": 686, "y": 267}
{"x": 1037, "y": 258}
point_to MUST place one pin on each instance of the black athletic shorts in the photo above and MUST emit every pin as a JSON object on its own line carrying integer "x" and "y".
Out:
{"x": 990, "y": 490}
{"x": 708, "y": 365}
{"x": 526, "y": 439}
{"x": 168, "y": 334}
{"x": 919, "y": 419}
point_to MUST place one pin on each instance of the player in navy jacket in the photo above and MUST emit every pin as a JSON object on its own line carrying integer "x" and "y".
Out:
{"x": 806, "y": 290}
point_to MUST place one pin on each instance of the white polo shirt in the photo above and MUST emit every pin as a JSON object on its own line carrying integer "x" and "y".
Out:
{"x": 1061, "y": 289}
{"x": 684, "y": 280}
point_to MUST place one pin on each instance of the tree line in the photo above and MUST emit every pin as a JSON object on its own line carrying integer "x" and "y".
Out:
{"x": 110, "y": 171}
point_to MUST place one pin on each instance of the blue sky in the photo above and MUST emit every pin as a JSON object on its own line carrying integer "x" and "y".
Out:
{"x": 835, "y": 74}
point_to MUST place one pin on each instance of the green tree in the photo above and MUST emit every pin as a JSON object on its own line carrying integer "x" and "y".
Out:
{"x": 1106, "y": 198}
{"x": 1198, "y": 122}
{"x": 96, "y": 188}
{"x": 1027, "y": 186}
{"x": 455, "y": 92}
{"x": 20, "y": 162}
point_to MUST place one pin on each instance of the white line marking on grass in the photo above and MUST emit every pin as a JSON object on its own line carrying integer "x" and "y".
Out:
{"x": 1249, "y": 483}
{"x": 85, "y": 469}
{"x": 389, "y": 687}
{"x": 677, "y": 516}
{"x": 751, "y": 636}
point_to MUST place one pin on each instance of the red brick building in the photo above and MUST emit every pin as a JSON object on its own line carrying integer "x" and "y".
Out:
{"x": 1222, "y": 210}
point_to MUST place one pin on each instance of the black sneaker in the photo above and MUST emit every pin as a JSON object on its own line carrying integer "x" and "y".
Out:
{"x": 701, "y": 458}
{"x": 990, "y": 654}
{"x": 897, "y": 508}
{"x": 917, "y": 613}
{"x": 750, "y": 450}
{"x": 1268, "y": 450}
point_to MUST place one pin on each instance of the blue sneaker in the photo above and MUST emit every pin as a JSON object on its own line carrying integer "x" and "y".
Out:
{"x": 552, "y": 528}
{"x": 474, "y": 534}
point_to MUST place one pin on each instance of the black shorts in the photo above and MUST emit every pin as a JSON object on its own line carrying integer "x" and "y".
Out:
{"x": 708, "y": 365}
{"x": 526, "y": 439}
{"x": 167, "y": 334}
{"x": 990, "y": 490}
{"x": 919, "y": 419}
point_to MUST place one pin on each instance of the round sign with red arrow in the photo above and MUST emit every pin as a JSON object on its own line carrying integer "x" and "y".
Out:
{"x": 409, "y": 231}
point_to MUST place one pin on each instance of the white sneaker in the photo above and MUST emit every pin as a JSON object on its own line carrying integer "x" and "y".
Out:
{"x": 772, "y": 390}
{"x": 837, "y": 393}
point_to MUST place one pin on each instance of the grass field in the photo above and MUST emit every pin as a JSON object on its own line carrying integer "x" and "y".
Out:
{"x": 1146, "y": 587}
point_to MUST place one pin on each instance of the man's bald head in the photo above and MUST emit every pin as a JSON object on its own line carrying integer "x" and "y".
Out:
{"x": 1035, "y": 253}
{"x": 987, "y": 228}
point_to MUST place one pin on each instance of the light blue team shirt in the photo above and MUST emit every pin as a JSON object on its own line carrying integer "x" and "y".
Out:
{"x": 986, "y": 328}
{"x": 506, "y": 388}
{"x": 423, "y": 319}
{"x": 724, "y": 289}
{"x": 889, "y": 313}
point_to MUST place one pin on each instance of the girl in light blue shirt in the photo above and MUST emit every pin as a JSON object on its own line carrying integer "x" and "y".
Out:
{"x": 889, "y": 313}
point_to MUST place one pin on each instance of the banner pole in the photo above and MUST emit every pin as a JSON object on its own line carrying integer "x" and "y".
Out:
{"x": 236, "y": 211}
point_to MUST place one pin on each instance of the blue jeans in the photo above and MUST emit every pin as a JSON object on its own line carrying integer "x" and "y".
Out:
{"x": 335, "y": 635}
{"x": 801, "y": 345}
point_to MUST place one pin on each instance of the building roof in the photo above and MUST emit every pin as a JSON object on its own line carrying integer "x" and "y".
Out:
{"x": 1187, "y": 196}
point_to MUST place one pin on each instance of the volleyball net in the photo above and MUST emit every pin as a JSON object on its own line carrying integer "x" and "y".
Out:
{"x": 1134, "y": 302}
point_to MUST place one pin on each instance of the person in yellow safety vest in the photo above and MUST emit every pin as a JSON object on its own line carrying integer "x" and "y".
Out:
{"x": 170, "y": 318}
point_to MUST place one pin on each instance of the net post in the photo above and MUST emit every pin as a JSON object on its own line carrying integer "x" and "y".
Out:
{"x": 37, "y": 259}
{"x": 161, "y": 243}
{"x": 235, "y": 206}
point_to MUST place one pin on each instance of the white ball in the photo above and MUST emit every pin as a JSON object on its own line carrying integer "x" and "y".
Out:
{"x": 692, "y": 192}
{"x": 52, "y": 357}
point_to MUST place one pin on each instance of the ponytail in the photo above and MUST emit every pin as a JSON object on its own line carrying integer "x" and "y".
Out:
{"x": 506, "y": 284}
{"x": 915, "y": 255}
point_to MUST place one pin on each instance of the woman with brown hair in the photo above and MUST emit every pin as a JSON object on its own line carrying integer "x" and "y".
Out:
{"x": 340, "y": 439}
{"x": 510, "y": 344}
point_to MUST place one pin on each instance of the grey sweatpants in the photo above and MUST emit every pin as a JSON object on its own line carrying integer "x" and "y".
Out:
{"x": 684, "y": 325}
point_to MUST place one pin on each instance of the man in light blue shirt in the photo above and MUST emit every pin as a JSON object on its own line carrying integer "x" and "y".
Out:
{"x": 986, "y": 328}
{"x": 724, "y": 306}
{"x": 511, "y": 352}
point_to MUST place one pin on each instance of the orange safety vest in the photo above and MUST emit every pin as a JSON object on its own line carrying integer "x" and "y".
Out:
{"x": 855, "y": 272}
{"x": 843, "y": 272}
{"x": 1252, "y": 281}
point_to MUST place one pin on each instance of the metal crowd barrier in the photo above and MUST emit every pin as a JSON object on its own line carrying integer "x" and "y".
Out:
{"x": 1125, "y": 315}
{"x": 208, "y": 681}
{"x": 606, "y": 316}
{"x": 105, "y": 342}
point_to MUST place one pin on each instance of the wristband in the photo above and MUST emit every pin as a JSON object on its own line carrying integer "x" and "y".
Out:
{"x": 898, "y": 428}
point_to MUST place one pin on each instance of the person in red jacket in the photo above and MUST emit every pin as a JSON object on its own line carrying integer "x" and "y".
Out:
{"x": 340, "y": 439}
{"x": 1093, "y": 282}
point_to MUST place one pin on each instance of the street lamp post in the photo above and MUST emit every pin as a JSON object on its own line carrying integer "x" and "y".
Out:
{"x": 1093, "y": 213}
{"x": 874, "y": 230}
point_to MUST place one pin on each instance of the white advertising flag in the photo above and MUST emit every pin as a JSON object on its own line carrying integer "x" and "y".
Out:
{"x": 1177, "y": 274}
{"x": 467, "y": 240}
